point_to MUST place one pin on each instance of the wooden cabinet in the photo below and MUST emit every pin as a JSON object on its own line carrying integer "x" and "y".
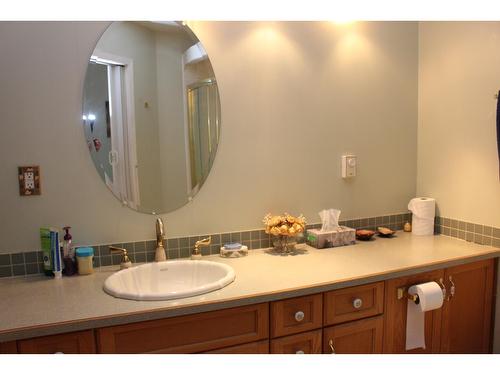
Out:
{"x": 367, "y": 318}
{"x": 296, "y": 315}
{"x": 467, "y": 316}
{"x": 9, "y": 347}
{"x": 68, "y": 343}
{"x": 359, "y": 337}
{"x": 188, "y": 334}
{"x": 358, "y": 302}
{"x": 302, "y": 343}
{"x": 461, "y": 325}
{"x": 395, "y": 315}
{"x": 259, "y": 347}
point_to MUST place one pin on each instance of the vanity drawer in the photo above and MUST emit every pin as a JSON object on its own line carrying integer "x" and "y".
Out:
{"x": 82, "y": 342}
{"x": 358, "y": 302}
{"x": 188, "y": 334}
{"x": 259, "y": 347}
{"x": 302, "y": 343}
{"x": 296, "y": 315}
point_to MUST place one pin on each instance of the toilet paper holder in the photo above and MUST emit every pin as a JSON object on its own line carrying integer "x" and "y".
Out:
{"x": 402, "y": 292}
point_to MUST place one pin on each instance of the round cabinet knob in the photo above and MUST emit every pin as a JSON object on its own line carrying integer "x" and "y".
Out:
{"x": 299, "y": 352}
{"x": 357, "y": 303}
{"x": 299, "y": 316}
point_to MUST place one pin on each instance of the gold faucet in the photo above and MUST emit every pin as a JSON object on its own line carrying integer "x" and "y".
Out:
{"x": 126, "y": 262}
{"x": 204, "y": 242}
{"x": 160, "y": 254}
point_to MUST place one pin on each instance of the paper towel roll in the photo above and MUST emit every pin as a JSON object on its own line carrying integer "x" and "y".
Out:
{"x": 430, "y": 298}
{"x": 424, "y": 210}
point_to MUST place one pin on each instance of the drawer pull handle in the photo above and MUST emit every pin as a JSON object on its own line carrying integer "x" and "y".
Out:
{"x": 357, "y": 303}
{"x": 330, "y": 343}
{"x": 299, "y": 316}
{"x": 299, "y": 352}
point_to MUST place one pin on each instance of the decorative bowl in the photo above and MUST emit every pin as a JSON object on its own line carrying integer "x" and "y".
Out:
{"x": 364, "y": 234}
{"x": 385, "y": 232}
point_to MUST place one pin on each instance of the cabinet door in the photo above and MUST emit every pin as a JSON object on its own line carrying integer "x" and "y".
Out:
{"x": 395, "y": 315}
{"x": 466, "y": 320}
{"x": 302, "y": 343}
{"x": 259, "y": 347}
{"x": 68, "y": 343}
{"x": 360, "y": 337}
{"x": 9, "y": 347}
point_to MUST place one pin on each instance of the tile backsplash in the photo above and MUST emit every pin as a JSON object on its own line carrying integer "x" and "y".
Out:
{"x": 30, "y": 263}
{"x": 472, "y": 232}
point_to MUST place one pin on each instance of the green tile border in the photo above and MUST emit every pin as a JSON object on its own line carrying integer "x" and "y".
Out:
{"x": 29, "y": 263}
{"x": 470, "y": 232}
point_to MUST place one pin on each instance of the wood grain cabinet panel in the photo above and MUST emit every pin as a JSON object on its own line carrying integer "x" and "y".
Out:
{"x": 9, "y": 347}
{"x": 259, "y": 347}
{"x": 296, "y": 315}
{"x": 302, "y": 343}
{"x": 363, "y": 336}
{"x": 467, "y": 316}
{"x": 188, "y": 334}
{"x": 82, "y": 342}
{"x": 358, "y": 302}
{"x": 395, "y": 316}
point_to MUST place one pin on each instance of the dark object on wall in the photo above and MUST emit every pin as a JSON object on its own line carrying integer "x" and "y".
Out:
{"x": 498, "y": 131}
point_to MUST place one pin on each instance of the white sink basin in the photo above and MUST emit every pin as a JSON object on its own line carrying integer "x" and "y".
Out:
{"x": 169, "y": 280}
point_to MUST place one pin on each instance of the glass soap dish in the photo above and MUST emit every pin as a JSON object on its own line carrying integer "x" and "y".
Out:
{"x": 234, "y": 253}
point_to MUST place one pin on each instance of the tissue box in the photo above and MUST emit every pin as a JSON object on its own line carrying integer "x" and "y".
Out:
{"x": 340, "y": 237}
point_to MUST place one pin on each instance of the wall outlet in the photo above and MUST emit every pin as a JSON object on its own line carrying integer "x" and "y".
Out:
{"x": 29, "y": 180}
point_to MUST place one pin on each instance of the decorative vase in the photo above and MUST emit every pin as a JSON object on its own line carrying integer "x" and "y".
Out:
{"x": 284, "y": 244}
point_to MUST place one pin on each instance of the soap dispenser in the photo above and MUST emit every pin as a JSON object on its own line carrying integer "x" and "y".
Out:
{"x": 160, "y": 255}
{"x": 68, "y": 254}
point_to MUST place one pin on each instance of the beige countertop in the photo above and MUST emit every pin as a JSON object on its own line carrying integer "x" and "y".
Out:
{"x": 36, "y": 306}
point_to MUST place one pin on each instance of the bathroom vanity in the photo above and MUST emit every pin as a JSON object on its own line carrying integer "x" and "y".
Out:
{"x": 341, "y": 300}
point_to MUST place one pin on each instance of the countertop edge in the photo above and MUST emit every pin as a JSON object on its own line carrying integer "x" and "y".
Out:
{"x": 147, "y": 315}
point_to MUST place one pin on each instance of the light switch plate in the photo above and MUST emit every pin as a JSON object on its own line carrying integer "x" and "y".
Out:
{"x": 29, "y": 180}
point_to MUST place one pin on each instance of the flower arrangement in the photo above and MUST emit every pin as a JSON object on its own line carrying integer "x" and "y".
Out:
{"x": 284, "y": 225}
{"x": 285, "y": 228}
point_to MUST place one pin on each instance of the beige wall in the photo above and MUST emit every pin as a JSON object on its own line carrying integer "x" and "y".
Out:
{"x": 295, "y": 97}
{"x": 459, "y": 73}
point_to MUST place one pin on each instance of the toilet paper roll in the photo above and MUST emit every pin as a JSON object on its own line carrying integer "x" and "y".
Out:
{"x": 424, "y": 210}
{"x": 430, "y": 298}
{"x": 423, "y": 207}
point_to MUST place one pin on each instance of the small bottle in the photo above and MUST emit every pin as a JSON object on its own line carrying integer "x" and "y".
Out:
{"x": 68, "y": 254}
{"x": 85, "y": 256}
{"x": 407, "y": 227}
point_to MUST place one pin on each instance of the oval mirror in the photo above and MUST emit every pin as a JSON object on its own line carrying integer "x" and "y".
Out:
{"x": 151, "y": 114}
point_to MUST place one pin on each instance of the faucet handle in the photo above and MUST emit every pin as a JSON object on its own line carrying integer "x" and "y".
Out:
{"x": 126, "y": 262}
{"x": 204, "y": 242}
